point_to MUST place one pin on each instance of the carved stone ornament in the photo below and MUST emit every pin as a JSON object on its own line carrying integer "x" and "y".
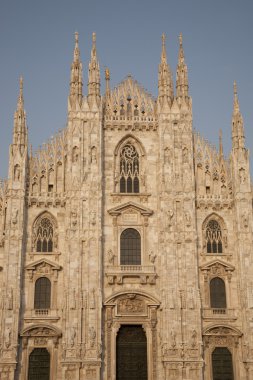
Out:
{"x": 131, "y": 304}
{"x": 43, "y": 267}
{"x": 41, "y": 330}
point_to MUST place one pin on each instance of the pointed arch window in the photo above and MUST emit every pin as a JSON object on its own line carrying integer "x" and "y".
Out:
{"x": 42, "y": 294}
{"x": 129, "y": 169}
{"x": 130, "y": 247}
{"x": 213, "y": 237}
{"x": 218, "y": 293}
{"x": 44, "y": 235}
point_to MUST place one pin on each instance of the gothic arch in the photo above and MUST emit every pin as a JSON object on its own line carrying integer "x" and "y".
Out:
{"x": 219, "y": 221}
{"x": 45, "y": 221}
{"x": 133, "y": 166}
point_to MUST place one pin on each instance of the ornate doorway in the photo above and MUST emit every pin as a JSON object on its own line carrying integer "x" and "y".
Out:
{"x": 222, "y": 364}
{"x": 39, "y": 364}
{"x": 131, "y": 353}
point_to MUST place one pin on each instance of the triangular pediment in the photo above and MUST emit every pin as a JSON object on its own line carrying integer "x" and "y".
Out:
{"x": 115, "y": 211}
{"x": 42, "y": 263}
{"x": 216, "y": 264}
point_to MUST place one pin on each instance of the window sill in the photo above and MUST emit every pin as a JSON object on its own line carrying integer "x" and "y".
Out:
{"x": 142, "y": 196}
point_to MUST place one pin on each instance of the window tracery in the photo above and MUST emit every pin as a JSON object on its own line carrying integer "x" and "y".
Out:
{"x": 129, "y": 169}
{"x": 213, "y": 237}
{"x": 44, "y": 234}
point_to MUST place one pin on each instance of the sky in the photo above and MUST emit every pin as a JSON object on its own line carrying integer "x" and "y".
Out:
{"x": 37, "y": 42}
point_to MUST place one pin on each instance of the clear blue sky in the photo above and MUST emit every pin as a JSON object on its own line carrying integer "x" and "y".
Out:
{"x": 37, "y": 40}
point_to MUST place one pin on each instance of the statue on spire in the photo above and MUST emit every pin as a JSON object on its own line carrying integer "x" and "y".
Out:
{"x": 76, "y": 78}
{"x": 165, "y": 82}
{"x": 182, "y": 75}
{"x": 238, "y": 138}
{"x": 94, "y": 75}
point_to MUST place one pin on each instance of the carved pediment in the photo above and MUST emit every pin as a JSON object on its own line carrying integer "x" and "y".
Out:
{"x": 41, "y": 330}
{"x": 217, "y": 266}
{"x": 43, "y": 267}
{"x": 43, "y": 263}
{"x": 222, "y": 330}
{"x": 130, "y": 207}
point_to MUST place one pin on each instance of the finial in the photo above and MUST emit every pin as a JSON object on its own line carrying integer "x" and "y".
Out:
{"x": 180, "y": 39}
{"x": 236, "y": 102}
{"x": 76, "y": 37}
{"x": 76, "y": 50}
{"x": 21, "y": 84}
{"x": 163, "y": 39}
{"x": 107, "y": 74}
{"x": 20, "y": 98}
{"x": 220, "y": 143}
{"x": 93, "y": 38}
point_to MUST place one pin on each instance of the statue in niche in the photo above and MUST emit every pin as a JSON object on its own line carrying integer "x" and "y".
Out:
{"x": 173, "y": 338}
{"x": 9, "y": 300}
{"x": 92, "y": 299}
{"x": 188, "y": 219}
{"x": 93, "y": 217}
{"x": 73, "y": 216}
{"x": 7, "y": 337}
{"x": 72, "y": 336}
{"x": 185, "y": 155}
{"x": 111, "y": 256}
{"x": 242, "y": 175}
{"x": 72, "y": 299}
{"x": 152, "y": 257}
{"x": 14, "y": 216}
{"x": 245, "y": 220}
{"x": 194, "y": 338}
{"x": 94, "y": 155}
{"x": 16, "y": 172}
{"x": 92, "y": 336}
{"x": 167, "y": 155}
{"x": 75, "y": 154}
{"x": 170, "y": 214}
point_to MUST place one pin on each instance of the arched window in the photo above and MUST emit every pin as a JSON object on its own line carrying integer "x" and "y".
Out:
{"x": 222, "y": 364}
{"x": 213, "y": 237}
{"x": 130, "y": 247}
{"x": 42, "y": 294}
{"x": 44, "y": 235}
{"x": 218, "y": 293}
{"x": 39, "y": 364}
{"x": 129, "y": 169}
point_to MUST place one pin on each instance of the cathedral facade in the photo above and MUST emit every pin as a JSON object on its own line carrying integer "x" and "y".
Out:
{"x": 126, "y": 241}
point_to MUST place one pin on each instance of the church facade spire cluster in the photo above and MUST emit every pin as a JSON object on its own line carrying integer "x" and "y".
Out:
{"x": 126, "y": 240}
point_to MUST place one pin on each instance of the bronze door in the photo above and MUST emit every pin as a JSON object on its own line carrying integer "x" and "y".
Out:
{"x": 222, "y": 364}
{"x": 39, "y": 364}
{"x": 131, "y": 357}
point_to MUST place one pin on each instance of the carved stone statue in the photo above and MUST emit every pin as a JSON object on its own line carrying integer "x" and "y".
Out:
{"x": 7, "y": 337}
{"x": 72, "y": 336}
{"x": 92, "y": 336}
{"x": 152, "y": 257}
{"x": 111, "y": 256}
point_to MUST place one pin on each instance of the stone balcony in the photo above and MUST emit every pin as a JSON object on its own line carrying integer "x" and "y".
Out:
{"x": 219, "y": 313}
{"x": 38, "y": 314}
{"x": 142, "y": 274}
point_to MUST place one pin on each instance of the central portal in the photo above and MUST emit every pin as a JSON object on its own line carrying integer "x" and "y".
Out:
{"x": 131, "y": 358}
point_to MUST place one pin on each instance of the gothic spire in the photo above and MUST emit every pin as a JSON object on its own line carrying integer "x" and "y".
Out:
{"x": 20, "y": 129}
{"x": 238, "y": 138}
{"x": 182, "y": 74}
{"x": 107, "y": 83}
{"x": 76, "y": 81}
{"x": 94, "y": 75}
{"x": 220, "y": 145}
{"x": 165, "y": 83}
